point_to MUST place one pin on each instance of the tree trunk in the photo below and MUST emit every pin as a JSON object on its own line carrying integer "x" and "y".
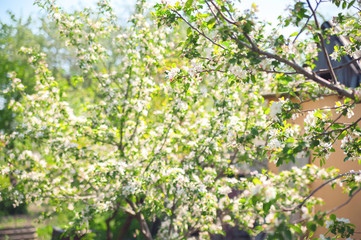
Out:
{"x": 109, "y": 235}
{"x": 124, "y": 230}
{"x": 144, "y": 226}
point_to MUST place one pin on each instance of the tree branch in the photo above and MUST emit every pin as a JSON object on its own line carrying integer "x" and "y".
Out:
{"x": 340, "y": 130}
{"x": 323, "y": 46}
{"x": 252, "y": 47}
{"x": 142, "y": 222}
{"x": 304, "y": 26}
{"x": 197, "y": 30}
{"x": 345, "y": 203}
{"x": 324, "y": 184}
{"x": 321, "y": 71}
{"x": 210, "y": 8}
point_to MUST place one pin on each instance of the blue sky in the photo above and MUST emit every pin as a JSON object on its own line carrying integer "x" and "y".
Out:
{"x": 268, "y": 9}
{"x": 26, "y": 8}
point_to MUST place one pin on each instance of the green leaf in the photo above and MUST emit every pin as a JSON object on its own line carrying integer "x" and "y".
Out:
{"x": 288, "y": 234}
{"x": 256, "y": 181}
{"x": 351, "y": 3}
{"x": 189, "y": 31}
{"x": 168, "y": 211}
{"x": 294, "y": 34}
{"x": 342, "y": 135}
{"x": 344, "y": 5}
{"x": 311, "y": 226}
{"x": 211, "y": 23}
{"x": 188, "y": 4}
{"x": 296, "y": 229}
{"x": 352, "y": 191}
{"x": 267, "y": 206}
{"x": 318, "y": 114}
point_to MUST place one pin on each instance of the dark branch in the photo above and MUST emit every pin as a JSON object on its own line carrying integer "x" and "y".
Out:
{"x": 197, "y": 30}
{"x": 322, "y": 71}
{"x": 345, "y": 203}
{"x": 323, "y": 46}
{"x": 324, "y": 184}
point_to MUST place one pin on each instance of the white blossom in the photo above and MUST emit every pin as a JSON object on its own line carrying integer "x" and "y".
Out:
{"x": 173, "y": 72}
{"x": 275, "y": 109}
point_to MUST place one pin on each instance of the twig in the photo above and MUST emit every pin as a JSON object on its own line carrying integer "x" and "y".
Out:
{"x": 345, "y": 203}
{"x": 323, "y": 46}
{"x": 122, "y": 120}
{"x": 321, "y": 71}
{"x": 324, "y": 184}
{"x": 273, "y": 71}
{"x": 212, "y": 12}
{"x": 224, "y": 17}
{"x": 339, "y": 130}
{"x": 197, "y": 30}
{"x": 304, "y": 26}
{"x": 164, "y": 138}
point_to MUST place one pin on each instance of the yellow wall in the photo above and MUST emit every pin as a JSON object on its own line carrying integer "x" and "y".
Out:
{"x": 334, "y": 197}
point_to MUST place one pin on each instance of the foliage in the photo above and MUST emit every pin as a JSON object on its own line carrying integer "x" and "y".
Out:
{"x": 14, "y": 35}
{"x": 168, "y": 152}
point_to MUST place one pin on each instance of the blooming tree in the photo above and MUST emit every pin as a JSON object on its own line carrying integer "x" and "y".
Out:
{"x": 176, "y": 119}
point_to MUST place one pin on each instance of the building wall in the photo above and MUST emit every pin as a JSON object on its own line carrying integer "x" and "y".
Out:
{"x": 333, "y": 197}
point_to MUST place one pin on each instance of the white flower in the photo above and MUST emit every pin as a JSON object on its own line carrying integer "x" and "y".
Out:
{"x": 334, "y": 55}
{"x": 57, "y": 16}
{"x": 305, "y": 212}
{"x": 103, "y": 127}
{"x": 322, "y": 237}
{"x": 227, "y": 218}
{"x": 233, "y": 120}
{"x": 358, "y": 178}
{"x": 329, "y": 223}
{"x": 255, "y": 189}
{"x": 2, "y": 102}
{"x": 238, "y": 72}
{"x": 39, "y": 134}
{"x": 275, "y": 108}
{"x": 270, "y": 217}
{"x": 254, "y": 173}
{"x": 270, "y": 193}
{"x": 204, "y": 91}
{"x": 225, "y": 190}
{"x": 274, "y": 143}
{"x": 343, "y": 220}
{"x": 204, "y": 122}
{"x": 173, "y": 72}
{"x": 326, "y": 145}
{"x": 310, "y": 121}
{"x": 350, "y": 113}
{"x": 70, "y": 206}
{"x": 345, "y": 140}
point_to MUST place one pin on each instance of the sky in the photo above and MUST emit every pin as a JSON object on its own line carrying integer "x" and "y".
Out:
{"x": 267, "y": 9}
{"x": 271, "y": 9}
{"x": 25, "y": 8}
